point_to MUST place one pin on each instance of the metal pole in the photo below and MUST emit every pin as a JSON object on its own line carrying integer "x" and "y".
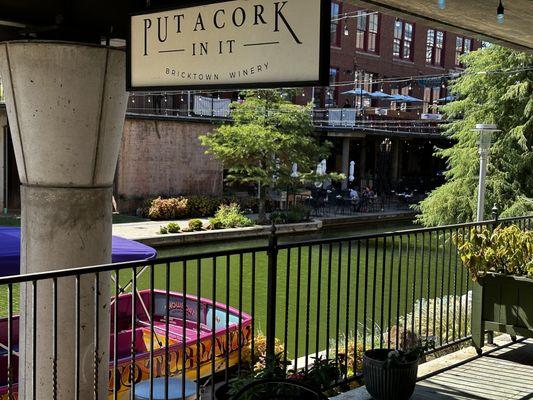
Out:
{"x": 271, "y": 291}
{"x": 483, "y": 162}
{"x": 485, "y": 137}
{"x": 188, "y": 102}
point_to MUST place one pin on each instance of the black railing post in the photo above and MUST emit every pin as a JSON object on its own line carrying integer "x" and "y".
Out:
{"x": 271, "y": 292}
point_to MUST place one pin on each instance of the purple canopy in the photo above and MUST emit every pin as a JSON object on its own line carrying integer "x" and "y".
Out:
{"x": 123, "y": 250}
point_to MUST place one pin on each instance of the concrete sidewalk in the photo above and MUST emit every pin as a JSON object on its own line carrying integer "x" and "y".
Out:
{"x": 147, "y": 232}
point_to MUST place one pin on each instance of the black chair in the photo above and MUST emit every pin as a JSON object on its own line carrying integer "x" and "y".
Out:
{"x": 278, "y": 389}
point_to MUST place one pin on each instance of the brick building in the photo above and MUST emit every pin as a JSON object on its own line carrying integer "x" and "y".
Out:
{"x": 389, "y": 141}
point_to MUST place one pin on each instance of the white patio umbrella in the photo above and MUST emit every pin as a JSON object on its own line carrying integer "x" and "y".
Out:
{"x": 324, "y": 167}
{"x": 294, "y": 170}
{"x": 352, "y": 171}
{"x": 319, "y": 172}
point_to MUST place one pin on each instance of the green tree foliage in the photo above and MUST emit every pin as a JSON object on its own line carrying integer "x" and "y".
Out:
{"x": 267, "y": 136}
{"x": 487, "y": 95}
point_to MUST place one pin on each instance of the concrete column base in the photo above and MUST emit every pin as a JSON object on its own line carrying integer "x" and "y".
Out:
{"x": 64, "y": 228}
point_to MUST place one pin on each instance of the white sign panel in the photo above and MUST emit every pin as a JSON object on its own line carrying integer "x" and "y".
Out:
{"x": 231, "y": 44}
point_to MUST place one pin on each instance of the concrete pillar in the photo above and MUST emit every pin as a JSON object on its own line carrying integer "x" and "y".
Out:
{"x": 345, "y": 160}
{"x": 3, "y": 160}
{"x": 66, "y": 104}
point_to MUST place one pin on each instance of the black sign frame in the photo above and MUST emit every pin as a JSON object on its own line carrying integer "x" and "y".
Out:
{"x": 324, "y": 55}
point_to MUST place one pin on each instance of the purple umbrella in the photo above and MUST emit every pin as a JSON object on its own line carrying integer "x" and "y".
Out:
{"x": 122, "y": 250}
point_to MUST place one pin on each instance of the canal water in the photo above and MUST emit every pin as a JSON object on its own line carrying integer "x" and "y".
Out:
{"x": 325, "y": 294}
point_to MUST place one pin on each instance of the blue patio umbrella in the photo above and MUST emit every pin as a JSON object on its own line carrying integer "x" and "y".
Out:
{"x": 357, "y": 92}
{"x": 123, "y": 250}
{"x": 380, "y": 95}
{"x": 411, "y": 99}
{"x": 446, "y": 99}
{"x": 405, "y": 98}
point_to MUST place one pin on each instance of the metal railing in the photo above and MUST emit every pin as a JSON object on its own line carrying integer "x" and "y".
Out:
{"x": 201, "y": 317}
{"x": 215, "y": 109}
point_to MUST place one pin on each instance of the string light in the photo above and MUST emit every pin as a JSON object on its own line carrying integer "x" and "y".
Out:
{"x": 442, "y": 4}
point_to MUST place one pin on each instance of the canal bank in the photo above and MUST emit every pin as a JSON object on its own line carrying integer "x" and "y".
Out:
{"x": 148, "y": 232}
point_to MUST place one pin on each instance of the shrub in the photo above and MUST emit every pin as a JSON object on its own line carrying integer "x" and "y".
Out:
{"x": 278, "y": 217}
{"x": 163, "y": 230}
{"x": 173, "y": 227}
{"x": 298, "y": 213}
{"x": 455, "y": 321}
{"x": 203, "y": 206}
{"x": 162, "y": 209}
{"x": 230, "y": 216}
{"x": 256, "y": 361}
{"x": 195, "y": 225}
{"x": 507, "y": 250}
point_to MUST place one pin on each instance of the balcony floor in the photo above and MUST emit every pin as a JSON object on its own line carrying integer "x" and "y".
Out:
{"x": 503, "y": 374}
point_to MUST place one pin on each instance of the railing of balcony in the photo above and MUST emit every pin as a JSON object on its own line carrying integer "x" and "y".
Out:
{"x": 369, "y": 120}
{"x": 330, "y": 298}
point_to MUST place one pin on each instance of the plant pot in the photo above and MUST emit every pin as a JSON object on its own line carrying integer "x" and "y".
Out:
{"x": 388, "y": 382}
{"x": 501, "y": 303}
{"x": 221, "y": 392}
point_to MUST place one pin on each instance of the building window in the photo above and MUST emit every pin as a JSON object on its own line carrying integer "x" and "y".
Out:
{"x": 402, "y": 46}
{"x": 431, "y": 95}
{"x": 366, "y": 38}
{"x": 365, "y": 81}
{"x": 435, "y": 47}
{"x": 462, "y": 46}
{"x": 394, "y": 104}
{"x": 335, "y": 35}
{"x": 332, "y": 93}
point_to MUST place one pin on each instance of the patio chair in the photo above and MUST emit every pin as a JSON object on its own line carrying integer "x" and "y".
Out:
{"x": 278, "y": 389}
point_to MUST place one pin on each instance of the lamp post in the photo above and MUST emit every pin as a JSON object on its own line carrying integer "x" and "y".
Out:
{"x": 485, "y": 139}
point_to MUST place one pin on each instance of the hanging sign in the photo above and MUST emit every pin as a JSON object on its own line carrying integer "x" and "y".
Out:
{"x": 231, "y": 44}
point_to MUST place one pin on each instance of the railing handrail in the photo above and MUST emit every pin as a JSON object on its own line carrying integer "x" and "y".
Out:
{"x": 78, "y": 271}
{"x": 93, "y": 269}
{"x": 402, "y": 232}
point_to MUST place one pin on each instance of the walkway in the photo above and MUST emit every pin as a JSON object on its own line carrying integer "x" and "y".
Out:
{"x": 502, "y": 374}
{"x": 148, "y": 231}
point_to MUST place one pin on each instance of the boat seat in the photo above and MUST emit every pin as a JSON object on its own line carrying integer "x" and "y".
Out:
{"x": 124, "y": 343}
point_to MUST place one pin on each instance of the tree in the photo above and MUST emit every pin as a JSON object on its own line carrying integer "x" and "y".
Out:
{"x": 268, "y": 134}
{"x": 496, "y": 87}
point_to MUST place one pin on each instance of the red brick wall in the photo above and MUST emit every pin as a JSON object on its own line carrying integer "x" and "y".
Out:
{"x": 165, "y": 157}
{"x": 382, "y": 63}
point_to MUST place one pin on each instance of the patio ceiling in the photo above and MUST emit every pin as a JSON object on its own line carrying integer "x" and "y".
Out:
{"x": 86, "y": 20}
{"x": 475, "y": 18}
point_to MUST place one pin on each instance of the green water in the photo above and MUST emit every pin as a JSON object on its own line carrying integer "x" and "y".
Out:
{"x": 329, "y": 288}
{"x": 322, "y": 293}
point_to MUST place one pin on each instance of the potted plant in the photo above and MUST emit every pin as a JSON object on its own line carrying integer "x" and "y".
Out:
{"x": 500, "y": 263}
{"x": 391, "y": 374}
{"x": 274, "y": 380}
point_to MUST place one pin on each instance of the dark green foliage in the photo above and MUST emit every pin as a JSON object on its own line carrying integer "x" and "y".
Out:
{"x": 230, "y": 216}
{"x": 173, "y": 228}
{"x": 505, "y": 99}
{"x": 268, "y": 135}
{"x": 195, "y": 225}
